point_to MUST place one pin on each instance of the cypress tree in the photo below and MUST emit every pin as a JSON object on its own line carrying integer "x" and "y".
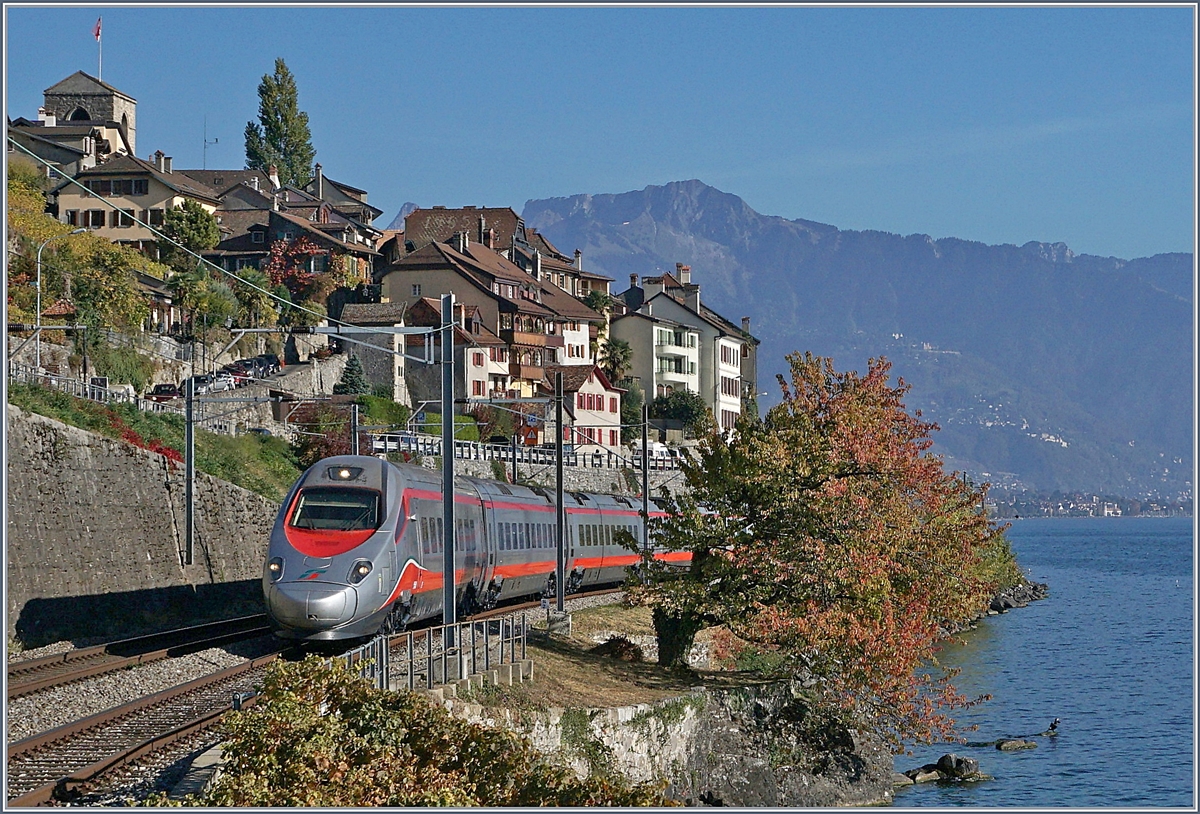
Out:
{"x": 281, "y": 137}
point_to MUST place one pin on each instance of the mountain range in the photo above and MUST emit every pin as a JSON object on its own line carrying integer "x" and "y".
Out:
{"x": 1044, "y": 369}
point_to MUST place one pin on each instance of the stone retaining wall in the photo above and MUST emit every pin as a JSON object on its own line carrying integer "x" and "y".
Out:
{"x": 96, "y": 536}
{"x": 734, "y": 747}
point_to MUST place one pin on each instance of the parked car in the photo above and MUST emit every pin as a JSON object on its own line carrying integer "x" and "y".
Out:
{"x": 221, "y": 380}
{"x": 242, "y": 371}
{"x": 163, "y": 392}
{"x": 203, "y": 384}
{"x": 270, "y": 363}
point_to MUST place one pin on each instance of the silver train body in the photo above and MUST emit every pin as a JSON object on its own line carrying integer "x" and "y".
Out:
{"x": 357, "y": 546}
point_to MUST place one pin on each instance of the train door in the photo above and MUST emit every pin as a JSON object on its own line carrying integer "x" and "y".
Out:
{"x": 470, "y": 558}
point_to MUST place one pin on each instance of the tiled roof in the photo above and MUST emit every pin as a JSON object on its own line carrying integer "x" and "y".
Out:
{"x": 423, "y": 226}
{"x": 375, "y": 313}
{"x": 310, "y": 228}
{"x": 539, "y": 241}
{"x": 222, "y": 181}
{"x": 127, "y": 165}
{"x": 565, "y": 305}
{"x": 576, "y": 376}
{"x": 31, "y": 133}
{"x": 83, "y": 83}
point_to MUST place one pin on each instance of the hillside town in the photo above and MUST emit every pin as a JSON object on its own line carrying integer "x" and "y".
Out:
{"x": 525, "y": 310}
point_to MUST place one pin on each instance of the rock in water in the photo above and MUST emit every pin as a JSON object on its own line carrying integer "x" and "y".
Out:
{"x": 1015, "y": 744}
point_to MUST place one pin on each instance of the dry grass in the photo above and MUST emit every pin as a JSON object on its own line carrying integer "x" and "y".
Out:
{"x": 567, "y": 675}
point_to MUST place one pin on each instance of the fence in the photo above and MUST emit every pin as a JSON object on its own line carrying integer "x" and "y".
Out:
{"x": 110, "y": 395}
{"x": 439, "y": 655}
{"x": 431, "y": 445}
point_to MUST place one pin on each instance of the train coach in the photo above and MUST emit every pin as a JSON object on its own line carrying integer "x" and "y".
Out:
{"x": 357, "y": 548}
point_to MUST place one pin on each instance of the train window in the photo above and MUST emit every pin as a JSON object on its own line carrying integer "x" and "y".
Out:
{"x": 502, "y": 536}
{"x": 528, "y": 536}
{"x": 336, "y": 508}
{"x": 440, "y": 537}
{"x": 425, "y": 535}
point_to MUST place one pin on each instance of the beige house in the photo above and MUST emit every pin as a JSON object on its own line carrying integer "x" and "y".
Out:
{"x": 116, "y": 198}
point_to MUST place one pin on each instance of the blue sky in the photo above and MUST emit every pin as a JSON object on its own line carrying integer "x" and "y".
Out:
{"x": 1002, "y": 125}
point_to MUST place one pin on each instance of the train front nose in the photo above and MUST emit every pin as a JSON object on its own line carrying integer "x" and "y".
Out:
{"x": 311, "y": 606}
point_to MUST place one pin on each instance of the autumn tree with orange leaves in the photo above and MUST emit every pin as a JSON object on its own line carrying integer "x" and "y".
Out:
{"x": 827, "y": 536}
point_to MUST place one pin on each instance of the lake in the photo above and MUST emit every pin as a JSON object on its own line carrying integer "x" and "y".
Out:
{"x": 1109, "y": 652}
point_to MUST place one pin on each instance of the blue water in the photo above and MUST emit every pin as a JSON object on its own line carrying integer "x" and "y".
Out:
{"x": 1110, "y": 652}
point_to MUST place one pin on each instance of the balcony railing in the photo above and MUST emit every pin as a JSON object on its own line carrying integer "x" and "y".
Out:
{"x": 514, "y": 337}
{"x": 533, "y": 372}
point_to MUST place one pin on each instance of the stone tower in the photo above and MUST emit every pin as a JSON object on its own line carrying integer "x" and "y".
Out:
{"x": 83, "y": 98}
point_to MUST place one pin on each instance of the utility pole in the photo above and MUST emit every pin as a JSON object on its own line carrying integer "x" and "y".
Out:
{"x": 449, "y": 611}
{"x": 645, "y": 476}
{"x": 354, "y": 428}
{"x": 514, "y": 457}
{"x": 560, "y": 512}
{"x": 189, "y": 470}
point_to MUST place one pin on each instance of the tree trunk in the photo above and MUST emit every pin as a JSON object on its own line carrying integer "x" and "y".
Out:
{"x": 675, "y": 632}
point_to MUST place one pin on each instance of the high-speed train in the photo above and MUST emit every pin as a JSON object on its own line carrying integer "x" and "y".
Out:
{"x": 357, "y": 546}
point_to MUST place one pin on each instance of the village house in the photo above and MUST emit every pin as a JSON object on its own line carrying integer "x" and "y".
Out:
{"x": 477, "y": 375}
{"x": 594, "y": 422}
{"x": 724, "y": 355}
{"x": 512, "y": 305}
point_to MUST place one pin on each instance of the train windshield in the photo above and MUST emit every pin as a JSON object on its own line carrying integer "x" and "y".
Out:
{"x": 336, "y": 508}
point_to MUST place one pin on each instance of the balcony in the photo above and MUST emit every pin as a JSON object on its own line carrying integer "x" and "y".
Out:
{"x": 514, "y": 337}
{"x": 555, "y": 341}
{"x": 528, "y": 372}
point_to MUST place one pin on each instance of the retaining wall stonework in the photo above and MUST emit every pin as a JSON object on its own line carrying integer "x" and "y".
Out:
{"x": 96, "y": 537}
{"x": 736, "y": 747}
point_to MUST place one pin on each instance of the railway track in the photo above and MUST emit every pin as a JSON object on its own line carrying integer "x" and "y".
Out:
{"x": 61, "y": 763}
{"x": 31, "y": 676}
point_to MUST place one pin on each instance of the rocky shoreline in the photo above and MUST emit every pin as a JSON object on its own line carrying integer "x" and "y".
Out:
{"x": 951, "y": 768}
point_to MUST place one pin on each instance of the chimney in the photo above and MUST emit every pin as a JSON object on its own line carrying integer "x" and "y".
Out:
{"x": 320, "y": 183}
{"x": 684, "y": 273}
{"x": 691, "y": 297}
{"x": 158, "y": 160}
{"x": 47, "y": 119}
{"x": 462, "y": 241}
{"x": 166, "y": 163}
{"x": 483, "y": 231}
{"x": 579, "y": 259}
{"x": 537, "y": 264}
{"x": 745, "y": 325}
{"x": 254, "y": 182}
{"x": 273, "y": 174}
{"x": 633, "y": 281}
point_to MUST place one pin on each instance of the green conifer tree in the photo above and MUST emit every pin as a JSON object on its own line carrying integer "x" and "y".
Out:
{"x": 281, "y": 137}
{"x": 354, "y": 380}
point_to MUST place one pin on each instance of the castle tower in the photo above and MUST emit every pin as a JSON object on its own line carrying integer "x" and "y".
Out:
{"x": 83, "y": 98}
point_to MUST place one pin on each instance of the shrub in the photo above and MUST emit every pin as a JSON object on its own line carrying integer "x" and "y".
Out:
{"x": 322, "y": 736}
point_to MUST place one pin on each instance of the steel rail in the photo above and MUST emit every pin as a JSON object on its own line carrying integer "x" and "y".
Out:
{"x": 77, "y": 743}
{"x": 27, "y": 677}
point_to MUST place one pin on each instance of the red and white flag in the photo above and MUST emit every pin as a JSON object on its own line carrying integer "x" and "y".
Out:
{"x": 96, "y": 30}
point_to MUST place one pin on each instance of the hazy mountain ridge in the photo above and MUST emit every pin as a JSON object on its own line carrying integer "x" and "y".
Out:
{"x": 1092, "y": 351}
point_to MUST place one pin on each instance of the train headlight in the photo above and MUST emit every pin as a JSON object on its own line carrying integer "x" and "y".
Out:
{"x": 275, "y": 567}
{"x": 359, "y": 571}
{"x": 343, "y": 472}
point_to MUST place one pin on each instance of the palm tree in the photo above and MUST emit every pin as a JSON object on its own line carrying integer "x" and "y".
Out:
{"x": 615, "y": 358}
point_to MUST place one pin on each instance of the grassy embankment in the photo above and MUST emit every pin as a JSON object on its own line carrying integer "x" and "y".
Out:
{"x": 264, "y": 465}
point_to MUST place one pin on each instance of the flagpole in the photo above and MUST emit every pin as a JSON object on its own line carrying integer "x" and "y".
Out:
{"x": 100, "y": 49}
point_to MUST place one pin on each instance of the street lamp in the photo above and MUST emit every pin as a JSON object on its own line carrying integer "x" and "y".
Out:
{"x": 38, "y": 331}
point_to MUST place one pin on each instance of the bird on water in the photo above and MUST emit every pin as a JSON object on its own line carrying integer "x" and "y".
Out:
{"x": 1054, "y": 725}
